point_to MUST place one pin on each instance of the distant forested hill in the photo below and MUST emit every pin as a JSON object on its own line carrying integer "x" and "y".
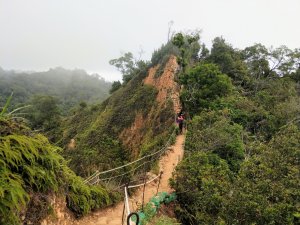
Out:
{"x": 69, "y": 86}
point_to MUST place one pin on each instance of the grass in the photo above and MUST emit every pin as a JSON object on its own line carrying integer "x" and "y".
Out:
{"x": 163, "y": 220}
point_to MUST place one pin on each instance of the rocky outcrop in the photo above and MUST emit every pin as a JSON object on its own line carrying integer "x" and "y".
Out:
{"x": 166, "y": 84}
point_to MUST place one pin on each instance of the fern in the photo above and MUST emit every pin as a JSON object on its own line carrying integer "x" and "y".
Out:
{"x": 2, "y": 113}
{"x": 12, "y": 196}
{"x": 30, "y": 164}
{"x": 18, "y": 109}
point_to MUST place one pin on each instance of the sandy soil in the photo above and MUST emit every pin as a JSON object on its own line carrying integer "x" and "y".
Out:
{"x": 166, "y": 84}
{"x": 168, "y": 89}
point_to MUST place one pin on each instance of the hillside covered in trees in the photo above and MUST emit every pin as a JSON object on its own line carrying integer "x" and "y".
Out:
{"x": 242, "y": 151}
{"x": 68, "y": 87}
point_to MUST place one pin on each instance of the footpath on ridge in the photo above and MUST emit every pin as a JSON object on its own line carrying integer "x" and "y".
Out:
{"x": 113, "y": 215}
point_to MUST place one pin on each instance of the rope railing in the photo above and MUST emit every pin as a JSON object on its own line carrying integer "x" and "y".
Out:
{"x": 126, "y": 208}
{"x": 91, "y": 177}
{"x": 121, "y": 175}
{"x": 139, "y": 185}
{"x": 97, "y": 173}
{"x": 126, "y": 196}
{"x": 130, "y": 171}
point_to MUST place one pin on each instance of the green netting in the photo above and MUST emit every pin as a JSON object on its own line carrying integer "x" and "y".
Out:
{"x": 162, "y": 196}
{"x": 156, "y": 201}
{"x": 153, "y": 205}
{"x": 150, "y": 210}
{"x": 170, "y": 198}
{"x": 142, "y": 217}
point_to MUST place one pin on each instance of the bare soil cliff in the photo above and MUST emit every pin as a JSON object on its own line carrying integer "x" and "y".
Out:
{"x": 168, "y": 93}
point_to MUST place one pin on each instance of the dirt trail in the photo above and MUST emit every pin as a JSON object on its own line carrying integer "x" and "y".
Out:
{"x": 132, "y": 137}
{"x": 112, "y": 215}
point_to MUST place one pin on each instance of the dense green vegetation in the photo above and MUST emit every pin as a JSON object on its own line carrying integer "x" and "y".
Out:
{"x": 43, "y": 115}
{"x": 69, "y": 87}
{"x": 164, "y": 220}
{"x": 32, "y": 170}
{"x": 242, "y": 146}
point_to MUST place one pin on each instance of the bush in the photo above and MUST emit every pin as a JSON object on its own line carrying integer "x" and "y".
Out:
{"x": 268, "y": 184}
{"x": 30, "y": 166}
{"x": 202, "y": 184}
{"x": 213, "y": 131}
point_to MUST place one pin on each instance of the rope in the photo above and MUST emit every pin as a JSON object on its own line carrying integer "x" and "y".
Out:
{"x": 91, "y": 177}
{"x": 95, "y": 182}
{"x": 138, "y": 185}
{"x": 126, "y": 201}
{"x": 97, "y": 173}
{"x": 134, "y": 169}
{"x": 122, "y": 185}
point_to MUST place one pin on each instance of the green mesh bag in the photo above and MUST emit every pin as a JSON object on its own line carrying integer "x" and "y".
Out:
{"x": 162, "y": 196}
{"x": 150, "y": 210}
{"x": 156, "y": 201}
{"x": 142, "y": 217}
{"x": 153, "y": 205}
{"x": 170, "y": 198}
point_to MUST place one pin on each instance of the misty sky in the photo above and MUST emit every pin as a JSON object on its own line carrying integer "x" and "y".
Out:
{"x": 86, "y": 34}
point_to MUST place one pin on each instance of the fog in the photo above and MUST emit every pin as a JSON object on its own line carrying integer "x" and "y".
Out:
{"x": 38, "y": 35}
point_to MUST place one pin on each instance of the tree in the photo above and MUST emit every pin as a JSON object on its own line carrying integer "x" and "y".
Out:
{"x": 241, "y": 161}
{"x": 256, "y": 57}
{"x": 44, "y": 115}
{"x": 178, "y": 40}
{"x": 204, "y": 52}
{"x": 126, "y": 64}
{"x": 281, "y": 60}
{"x": 203, "y": 84}
{"x": 296, "y": 75}
{"x": 263, "y": 62}
{"x": 83, "y": 105}
{"x": 115, "y": 86}
{"x": 129, "y": 66}
{"x": 189, "y": 47}
{"x": 229, "y": 60}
